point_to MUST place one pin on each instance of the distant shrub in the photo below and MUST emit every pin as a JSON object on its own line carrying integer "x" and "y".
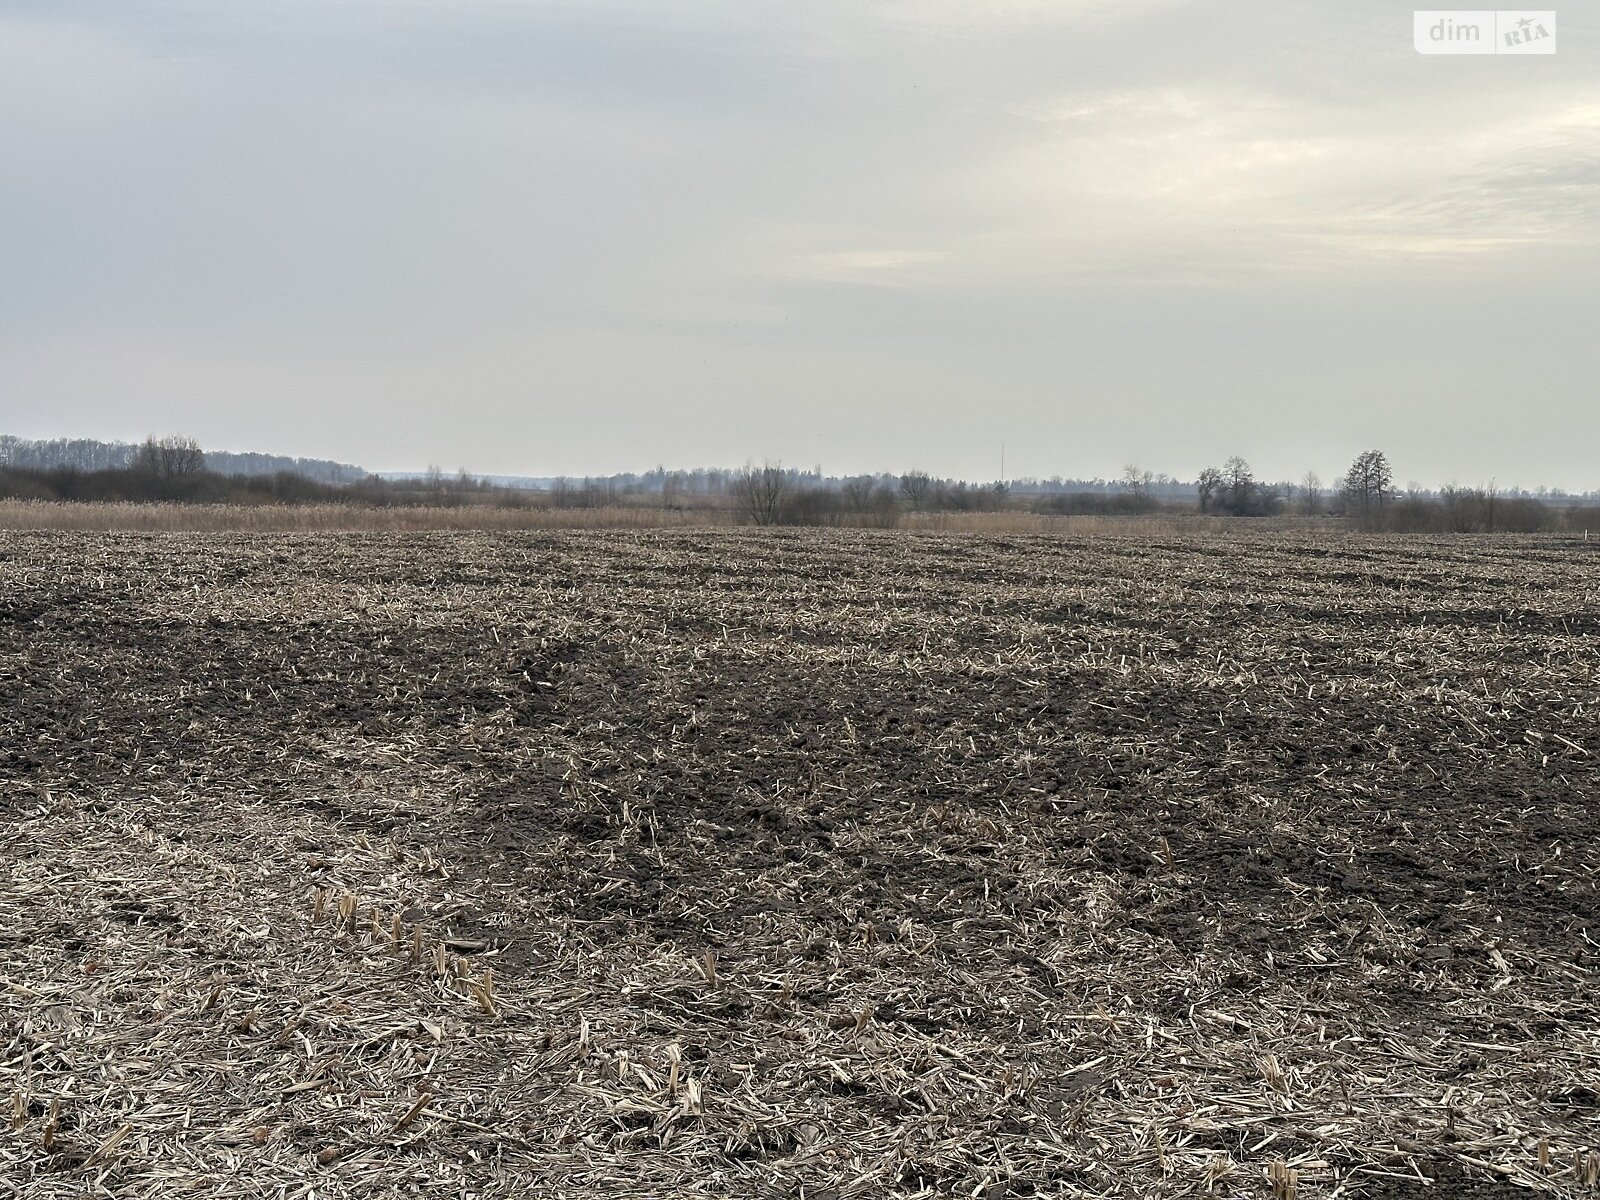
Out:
{"x": 1465, "y": 510}
{"x": 1582, "y": 519}
{"x": 1096, "y": 504}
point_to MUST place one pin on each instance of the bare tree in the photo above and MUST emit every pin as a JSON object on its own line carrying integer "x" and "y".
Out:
{"x": 872, "y": 503}
{"x": 1240, "y": 483}
{"x": 762, "y": 489}
{"x": 170, "y": 457}
{"x": 917, "y": 488}
{"x": 1311, "y": 489}
{"x": 1465, "y": 509}
{"x": 1234, "y": 489}
{"x": 1137, "y": 480}
{"x": 857, "y": 493}
{"x": 885, "y": 512}
{"x": 1368, "y": 484}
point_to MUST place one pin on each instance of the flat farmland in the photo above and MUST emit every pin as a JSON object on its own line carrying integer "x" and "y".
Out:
{"x": 814, "y": 864}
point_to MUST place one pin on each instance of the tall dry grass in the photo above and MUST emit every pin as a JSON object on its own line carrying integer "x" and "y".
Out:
{"x": 1149, "y": 525}
{"x": 307, "y": 518}
{"x": 286, "y": 518}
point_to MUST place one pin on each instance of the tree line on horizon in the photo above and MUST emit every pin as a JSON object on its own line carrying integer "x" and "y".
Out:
{"x": 176, "y": 468}
{"x": 91, "y": 454}
{"x": 1365, "y": 495}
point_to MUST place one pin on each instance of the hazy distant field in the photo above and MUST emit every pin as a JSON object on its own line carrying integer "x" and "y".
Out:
{"x": 117, "y": 517}
{"x": 835, "y": 864}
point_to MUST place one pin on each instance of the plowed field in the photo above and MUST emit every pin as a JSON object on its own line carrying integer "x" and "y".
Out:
{"x": 834, "y": 865}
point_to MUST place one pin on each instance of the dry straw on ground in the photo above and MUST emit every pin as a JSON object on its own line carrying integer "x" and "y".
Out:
{"x": 34, "y": 515}
{"x": 835, "y": 865}
{"x": 22, "y": 515}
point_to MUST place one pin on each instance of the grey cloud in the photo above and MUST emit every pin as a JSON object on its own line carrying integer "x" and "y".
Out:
{"x": 581, "y": 237}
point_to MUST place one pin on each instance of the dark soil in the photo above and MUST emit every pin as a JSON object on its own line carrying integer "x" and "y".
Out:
{"x": 1164, "y": 809}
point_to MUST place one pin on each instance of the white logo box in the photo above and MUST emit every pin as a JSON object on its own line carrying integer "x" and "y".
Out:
{"x": 1484, "y": 31}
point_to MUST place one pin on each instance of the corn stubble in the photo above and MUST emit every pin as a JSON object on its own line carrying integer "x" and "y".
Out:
{"x": 823, "y": 864}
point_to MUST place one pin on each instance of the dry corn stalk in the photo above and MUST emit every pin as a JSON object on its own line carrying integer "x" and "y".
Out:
{"x": 1285, "y": 1181}
{"x": 1272, "y": 1072}
{"x": 412, "y": 1113}
{"x": 483, "y": 992}
{"x": 110, "y": 1144}
{"x": 675, "y": 1061}
{"x": 1586, "y": 1166}
{"x": 692, "y": 1103}
{"x": 1219, "y": 1168}
{"x": 52, "y": 1125}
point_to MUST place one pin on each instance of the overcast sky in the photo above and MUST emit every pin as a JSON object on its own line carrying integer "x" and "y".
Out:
{"x": 584, "y": 237}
